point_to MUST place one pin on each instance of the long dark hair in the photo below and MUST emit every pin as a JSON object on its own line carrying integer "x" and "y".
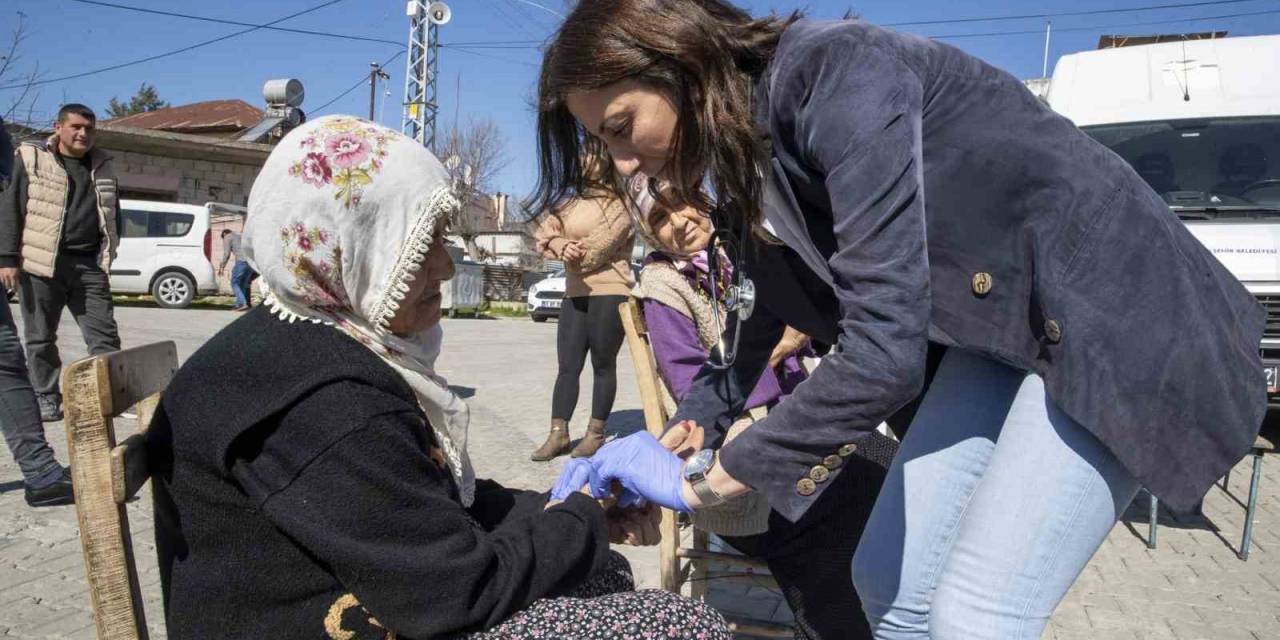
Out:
{"x": 703, "y": 54}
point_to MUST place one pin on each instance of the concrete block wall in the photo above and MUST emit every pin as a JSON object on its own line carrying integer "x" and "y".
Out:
{"x": 199, "y": 181}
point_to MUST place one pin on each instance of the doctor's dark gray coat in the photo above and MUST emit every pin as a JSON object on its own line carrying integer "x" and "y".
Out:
{"x": 926, "y": 196}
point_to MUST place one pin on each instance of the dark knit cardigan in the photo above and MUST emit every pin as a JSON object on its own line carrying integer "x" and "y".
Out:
{"x": 296, "y": 497}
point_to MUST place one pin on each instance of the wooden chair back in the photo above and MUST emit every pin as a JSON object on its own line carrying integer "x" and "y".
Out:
{"x": 678, "y": 565}
{"x": 106, "y": 475}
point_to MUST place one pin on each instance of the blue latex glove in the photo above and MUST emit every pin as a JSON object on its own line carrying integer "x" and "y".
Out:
{"x": 577, "y": 474}
{"x": 644, "y": 468}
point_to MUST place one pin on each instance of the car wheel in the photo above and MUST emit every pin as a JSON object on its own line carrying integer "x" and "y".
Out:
{"x": 173, "y": 290}
{"x": 537, "y": 317}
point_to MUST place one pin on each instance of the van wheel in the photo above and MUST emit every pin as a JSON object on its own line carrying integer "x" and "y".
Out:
{"x": 173, "y": 290}
{"x": 537, "y": 317}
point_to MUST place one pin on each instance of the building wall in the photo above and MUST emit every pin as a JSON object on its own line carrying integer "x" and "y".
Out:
{"x": 183, "y": 180}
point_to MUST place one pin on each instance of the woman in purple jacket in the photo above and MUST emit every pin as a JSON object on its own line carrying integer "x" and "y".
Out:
{"x": 809, "y": 558}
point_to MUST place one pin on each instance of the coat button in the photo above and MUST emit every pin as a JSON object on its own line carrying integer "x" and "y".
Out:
{"x": 847, "y": 450}
{"x": 1053, "y": 331}
{"x": 819, "y": 474}
{"x": 982, "y": 283}
{"x": 832, "y": 462}
{"x": 806, "y": 487}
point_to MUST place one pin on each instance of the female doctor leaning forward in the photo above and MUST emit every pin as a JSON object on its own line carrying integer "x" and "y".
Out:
{"x": 897, "y": 193}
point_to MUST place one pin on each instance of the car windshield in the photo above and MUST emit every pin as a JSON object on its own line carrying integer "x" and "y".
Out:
{"x": 1206, "y": 168}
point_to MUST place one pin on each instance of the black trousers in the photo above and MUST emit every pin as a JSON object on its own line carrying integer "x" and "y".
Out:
{"x": 19, "y": 414}
{"x": 588, "y": 324}
{"x": 812, "y": 559}
{"x": 78, "y": 284}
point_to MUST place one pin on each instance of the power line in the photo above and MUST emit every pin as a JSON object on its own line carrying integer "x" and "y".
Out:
{"x": 541, "y": 6}
{"x": 492, "y": 57}
{"x": 363, "y": 79}
{"x": 188, "y": 16}
{"x": 1102, "y": 27}
{"x": 167, "y": 53}
{"x": 1061, "y": 14}
{"x": 518, "y": 44}
{"x": 490, "y": 42}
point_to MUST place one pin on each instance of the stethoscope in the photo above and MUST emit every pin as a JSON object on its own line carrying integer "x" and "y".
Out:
{"x": 739, "y": 296}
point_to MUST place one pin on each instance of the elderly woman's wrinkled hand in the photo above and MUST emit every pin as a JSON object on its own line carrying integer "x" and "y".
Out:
{"x": 635, "y": 526}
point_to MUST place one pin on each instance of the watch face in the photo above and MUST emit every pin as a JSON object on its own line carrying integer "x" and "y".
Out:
{"x": 699, "y": 463}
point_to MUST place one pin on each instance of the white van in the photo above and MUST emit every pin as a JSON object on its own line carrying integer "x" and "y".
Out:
{"x": 165, "y": 251}
{"x": 1200, "y": 122}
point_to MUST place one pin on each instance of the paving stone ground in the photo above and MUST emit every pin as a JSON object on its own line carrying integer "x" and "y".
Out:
{"x": 1192, "y": 587}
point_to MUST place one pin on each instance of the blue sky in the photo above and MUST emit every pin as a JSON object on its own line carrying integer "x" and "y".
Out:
{"x": 66, "y": 37}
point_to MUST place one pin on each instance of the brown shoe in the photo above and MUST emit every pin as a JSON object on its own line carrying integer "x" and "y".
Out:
{"x": 557, "y": 443}
{"x": 590, "y": 442}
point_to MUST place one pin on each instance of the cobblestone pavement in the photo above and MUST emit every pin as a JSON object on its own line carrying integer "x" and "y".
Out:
{"x": 1192, "y": 587}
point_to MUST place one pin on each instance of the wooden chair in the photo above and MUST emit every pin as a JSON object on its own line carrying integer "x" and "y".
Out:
{"x": 678, "y": 565}
{"x": 106, "y": 475}
{"x": 1265, "y": 443}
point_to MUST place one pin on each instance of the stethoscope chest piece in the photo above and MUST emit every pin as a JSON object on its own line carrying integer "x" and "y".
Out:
{"x": 741, "y": 297}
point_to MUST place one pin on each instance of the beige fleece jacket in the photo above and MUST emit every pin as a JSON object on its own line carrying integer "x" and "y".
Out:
{"x": 602, "y": 227}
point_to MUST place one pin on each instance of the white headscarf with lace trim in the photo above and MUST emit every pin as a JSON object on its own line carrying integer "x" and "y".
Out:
{"x": 340, "y": 219}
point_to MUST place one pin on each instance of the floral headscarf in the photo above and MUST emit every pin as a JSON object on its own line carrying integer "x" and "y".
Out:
{"x": 340, "y": 219}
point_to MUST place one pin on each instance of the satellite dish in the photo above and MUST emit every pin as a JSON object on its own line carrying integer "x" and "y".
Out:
{"x": 439, "y": 13}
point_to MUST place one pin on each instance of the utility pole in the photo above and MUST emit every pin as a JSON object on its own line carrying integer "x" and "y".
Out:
{"x": 375, "y": 72}
{"x": 420, "y": 104}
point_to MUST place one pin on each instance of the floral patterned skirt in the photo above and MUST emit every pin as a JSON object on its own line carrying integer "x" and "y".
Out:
{"x": 606, "y": 607}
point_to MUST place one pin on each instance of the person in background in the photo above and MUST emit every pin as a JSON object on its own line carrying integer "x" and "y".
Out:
{"x": 241, "y": 274}
{"x": 339, "y": 501}
{"x": 46, "y": 483}
{"x": 57, "y": 240}
{"x": 592, "y": 234}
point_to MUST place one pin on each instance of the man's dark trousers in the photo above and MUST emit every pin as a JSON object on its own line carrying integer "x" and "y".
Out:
{"x": 78, "y": 284}
{"x": 19, "y": 414}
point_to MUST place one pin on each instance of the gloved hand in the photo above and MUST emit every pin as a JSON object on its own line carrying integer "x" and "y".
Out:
{"x": 644, "y": 468}
{"x": 577, "y": 474}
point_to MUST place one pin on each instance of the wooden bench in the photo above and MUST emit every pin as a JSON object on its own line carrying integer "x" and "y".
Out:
{"x": 106, "y": 475}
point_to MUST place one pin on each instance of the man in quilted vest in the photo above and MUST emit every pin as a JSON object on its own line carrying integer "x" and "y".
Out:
{"x": 57, "y": 239}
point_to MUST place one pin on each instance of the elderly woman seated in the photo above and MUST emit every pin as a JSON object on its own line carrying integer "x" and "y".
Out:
{"x": 313, "y": 478}
{"x": 809, "y": 558}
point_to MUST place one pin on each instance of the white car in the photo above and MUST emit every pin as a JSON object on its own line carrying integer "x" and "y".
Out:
{"x": 545, "y": 297}
{"x": 166, "y": 251}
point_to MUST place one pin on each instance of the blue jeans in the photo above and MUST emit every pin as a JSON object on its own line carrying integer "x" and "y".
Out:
{"x": 240, "y": 275}
{"x": 993, "y": 506}
{"x": 19, "y": 414}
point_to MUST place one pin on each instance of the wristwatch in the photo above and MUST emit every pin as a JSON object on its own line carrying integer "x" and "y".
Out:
{"x": 696, "y": 470}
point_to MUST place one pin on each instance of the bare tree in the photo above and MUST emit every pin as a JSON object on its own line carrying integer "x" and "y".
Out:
{"x": 474, "y": 156}
{"x": 22, "y": 106}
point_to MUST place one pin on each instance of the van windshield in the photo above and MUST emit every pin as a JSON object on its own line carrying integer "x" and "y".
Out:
{"x": 1204, "y": 168}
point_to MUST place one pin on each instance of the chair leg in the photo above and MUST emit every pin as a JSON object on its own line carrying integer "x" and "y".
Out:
{"x": 1155, "y": 512}
{"x": 698, "y": 577}
{"x": 1253, "y": 506}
